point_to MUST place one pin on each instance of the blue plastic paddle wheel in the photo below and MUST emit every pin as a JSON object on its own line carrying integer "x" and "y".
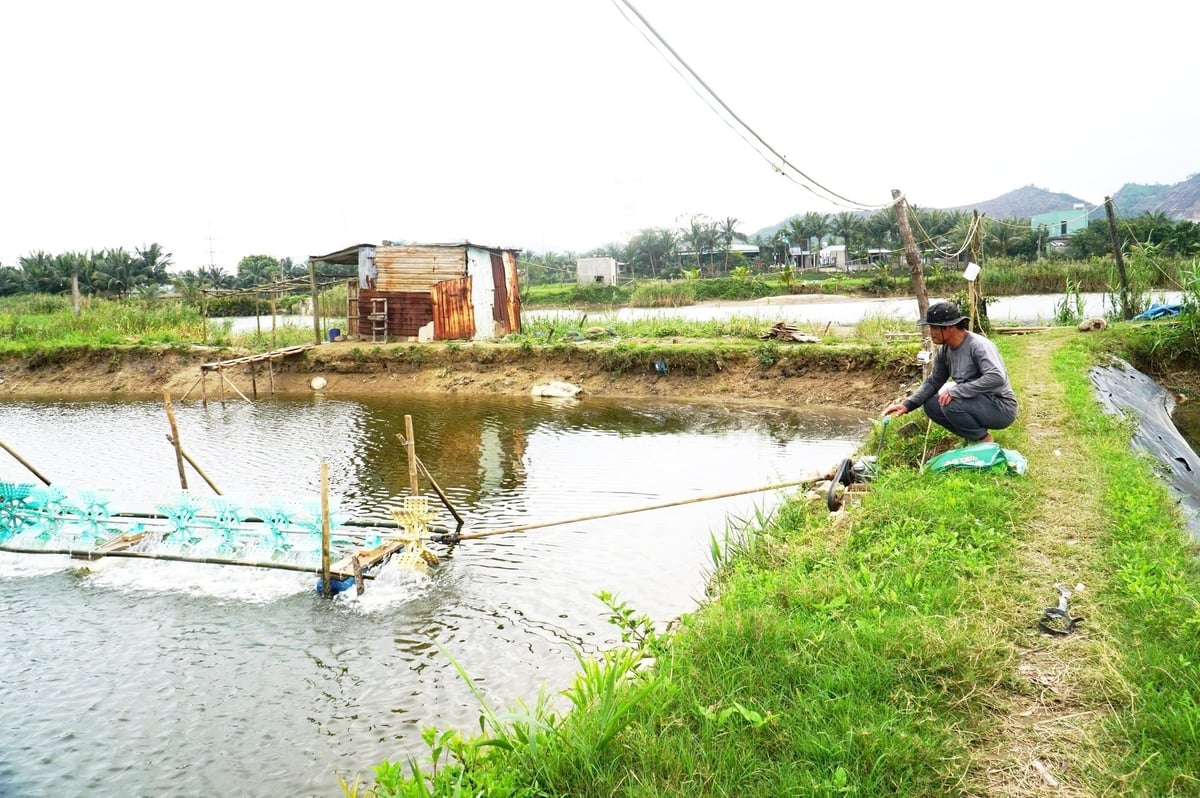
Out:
{"x": 92, "y": 514}
{"x": 14, "y": 516}
{"x": 46, "y": 510}
{"x": 181, "y": 520}
{"x": 312, "y": 524}
{"x": 276, "y": 518}
{"x": 227, "y": 522}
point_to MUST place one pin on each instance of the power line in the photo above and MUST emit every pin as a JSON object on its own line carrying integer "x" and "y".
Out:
{"x": 677, "y": 63}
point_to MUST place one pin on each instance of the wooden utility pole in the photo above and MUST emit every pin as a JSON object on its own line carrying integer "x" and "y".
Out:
{"x": 915, "y": 267}
{"x": 1122, "y": 278}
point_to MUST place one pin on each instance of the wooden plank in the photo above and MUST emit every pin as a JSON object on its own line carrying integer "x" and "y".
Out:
{"x": 120, "y": 542}
{"x": 275, "y": 354}
{"x": 366, "y": 559}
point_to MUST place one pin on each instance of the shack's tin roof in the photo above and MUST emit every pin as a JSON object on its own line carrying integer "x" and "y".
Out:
{"x": 349, "y": 255}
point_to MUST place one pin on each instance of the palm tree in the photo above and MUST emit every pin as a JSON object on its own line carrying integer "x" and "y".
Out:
{"x": 700, "y": 236}
{"x": 12, "y": 281}
{"x": 45, "y": 273}
{"x": 113, "y": 272}
{"x": 847, "y": 225}
{"x": 882, "y": 229}
{"x": 803, "y": 229}
{"x": 213, "y": 277}
{"x": 255, "y": 270}
{"x": 727, "y": 232}
{"x": 151, "y": 264}
{"x": 650, "y": 250}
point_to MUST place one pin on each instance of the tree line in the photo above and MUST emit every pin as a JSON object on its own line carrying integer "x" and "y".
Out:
{"x": 703, "y": 246}
{"x": 700, "y": 246}
{"x": 118, "y": 273}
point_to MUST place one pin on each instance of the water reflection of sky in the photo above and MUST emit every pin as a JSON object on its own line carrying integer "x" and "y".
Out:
{"x": 243, "y": 682}
{"x": 1028, "y": 309}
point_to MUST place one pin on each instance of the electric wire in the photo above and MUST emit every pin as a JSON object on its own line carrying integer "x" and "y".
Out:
{"x": 660, "y": 44}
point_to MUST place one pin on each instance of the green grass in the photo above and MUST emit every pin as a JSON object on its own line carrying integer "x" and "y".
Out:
{"x": 41, "y": 323}
{"x": 874, "y": 653}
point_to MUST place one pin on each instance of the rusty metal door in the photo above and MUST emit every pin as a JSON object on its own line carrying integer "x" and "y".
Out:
{"x": 453, "y": 316}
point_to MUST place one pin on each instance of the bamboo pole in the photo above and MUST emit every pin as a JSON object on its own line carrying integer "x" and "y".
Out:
{"x": 93, "y": 554}
{"x": 188, "y": 392}
{"x": 433, "y": 483}
{"x": 24, "y": 462}
{"x": 231, "y": 385}
{"x": 175, "y": 440}
{"x": 312, "y": 282}
{"x": 507, "y": 530}
{"x": 413, "y": 487}
{"x": 204, "y": 388}
{"x": 193, "y": 464}
{"x": 326, "y": 583}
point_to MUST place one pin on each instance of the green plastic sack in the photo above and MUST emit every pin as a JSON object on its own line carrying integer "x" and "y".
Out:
{"x": 979, "y": 456}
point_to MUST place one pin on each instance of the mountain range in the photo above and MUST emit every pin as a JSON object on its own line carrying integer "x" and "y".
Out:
{"x": 1178, "y": 201}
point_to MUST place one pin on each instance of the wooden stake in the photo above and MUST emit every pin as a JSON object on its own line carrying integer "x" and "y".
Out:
{"x": 199, "y": 470}
{"x": 1122, "y": 278}
{"x": 326, "y": 582}
{"x": 359, "y": 586}
{"x": 24, "y": 462}
{"x": 413, "y": 487}
{"x": 433, "y": 483}
{"x": 189, "y": 390}
{"x": 231, "y": 385}
{"x": 312, "y": 281}
{"x": 175, "y": 440}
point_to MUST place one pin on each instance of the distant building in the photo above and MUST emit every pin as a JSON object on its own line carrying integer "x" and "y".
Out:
{"x": 434, "y": 292}
{"x": 589, "y": 271}
{"x": 833, "y": 256}
{"x": 801, "y": 258}
{"x": 1061, "y": 225}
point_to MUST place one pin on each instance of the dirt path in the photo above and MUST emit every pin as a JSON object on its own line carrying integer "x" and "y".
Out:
{"x": 1045, "y": 725}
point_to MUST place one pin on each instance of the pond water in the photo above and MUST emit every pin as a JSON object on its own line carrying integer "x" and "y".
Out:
{"x": 1030, "y": 309}
{"x": 139, "y": 678}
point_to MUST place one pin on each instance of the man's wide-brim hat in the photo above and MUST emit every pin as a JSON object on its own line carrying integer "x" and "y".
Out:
{"x": 941, "y": 314}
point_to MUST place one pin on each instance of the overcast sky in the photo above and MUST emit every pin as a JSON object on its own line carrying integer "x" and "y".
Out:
{"x": 223, "y": 129}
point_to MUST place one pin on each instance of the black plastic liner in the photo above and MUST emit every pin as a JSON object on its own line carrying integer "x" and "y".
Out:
{"x": 1124, "y": 390}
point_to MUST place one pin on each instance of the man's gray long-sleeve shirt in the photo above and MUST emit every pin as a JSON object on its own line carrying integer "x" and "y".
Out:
{"x": 977, "y": 370}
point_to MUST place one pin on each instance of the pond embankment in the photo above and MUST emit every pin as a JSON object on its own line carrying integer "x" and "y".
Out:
{"x": 845, "y": 375}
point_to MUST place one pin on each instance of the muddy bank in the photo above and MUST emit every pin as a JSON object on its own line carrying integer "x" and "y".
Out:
{"x": 794, "y": 375}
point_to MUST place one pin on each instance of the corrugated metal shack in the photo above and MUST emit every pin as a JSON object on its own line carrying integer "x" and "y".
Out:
{"x": 436, "y": 292}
